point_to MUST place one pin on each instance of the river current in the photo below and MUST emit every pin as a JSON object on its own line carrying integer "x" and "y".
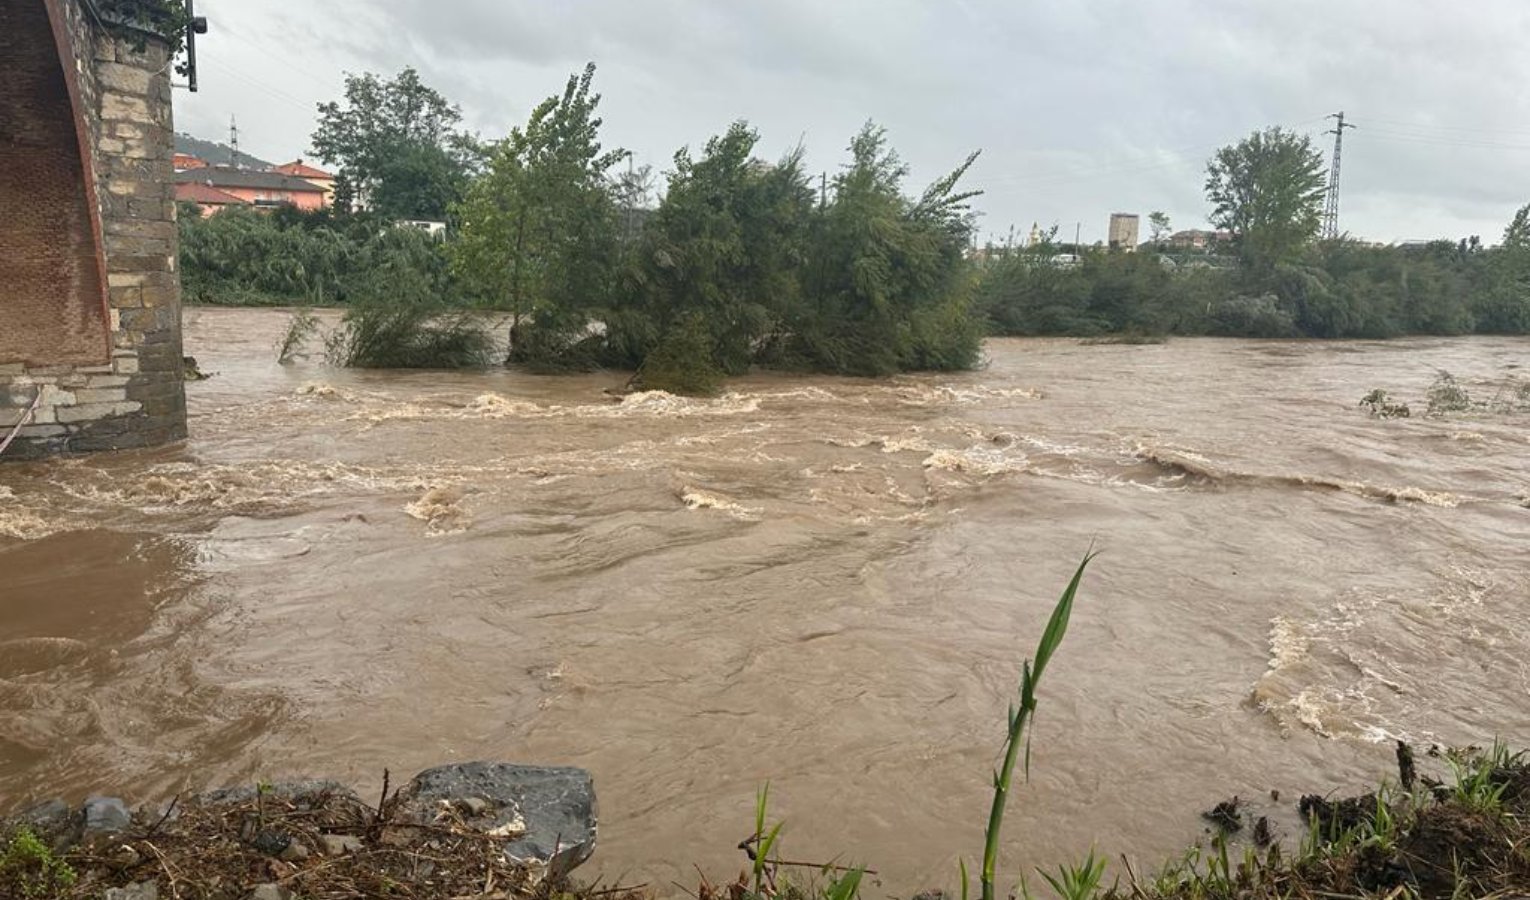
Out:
{"x": 825, "y": 584}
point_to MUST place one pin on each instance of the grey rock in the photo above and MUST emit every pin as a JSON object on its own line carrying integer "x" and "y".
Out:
{"x": 474, "y": 806}
{"x": 296, "y": 851}
{"x": 55, "y": 823}
{"x": 138, "y": 890}
{"x": 104, "y": 816}
{"x": 49, "y": 812}
{"x": 339, "y": 844}
{"x": 553, "y": 808}
{"x": 270, "y": 891}
{"x": 271, "y": 843}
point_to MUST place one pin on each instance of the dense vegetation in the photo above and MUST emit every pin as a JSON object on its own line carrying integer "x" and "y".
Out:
{"x": 743, "y": 262}
{"x": 248, "y": 257}
{"x": 1273, "y": 278}
{"x": 1330, "y": 289}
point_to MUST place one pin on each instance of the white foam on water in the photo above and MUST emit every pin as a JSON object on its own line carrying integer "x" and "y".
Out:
{"x": 695, "y": 498}
{"x": 440, "y": 508}
{"x": 984, "y": 461}
{"x": 325, "y": 391}
{"x": 22, "y": 520}
{"x": 946, "y": 395}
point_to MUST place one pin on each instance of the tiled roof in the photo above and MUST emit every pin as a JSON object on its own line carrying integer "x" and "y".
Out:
{"x": 299, "y": 169}
{"x": 222, "y": 176}
{"x": 207, "y": 196}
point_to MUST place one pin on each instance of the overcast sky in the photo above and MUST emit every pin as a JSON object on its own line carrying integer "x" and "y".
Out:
{"x": 1080, "y": 107}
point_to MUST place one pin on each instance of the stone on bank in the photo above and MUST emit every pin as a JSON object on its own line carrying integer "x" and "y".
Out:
{"x": 539, "y": 822}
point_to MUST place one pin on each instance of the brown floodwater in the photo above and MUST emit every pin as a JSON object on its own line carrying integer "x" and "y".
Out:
{"x": 826, "y": 584}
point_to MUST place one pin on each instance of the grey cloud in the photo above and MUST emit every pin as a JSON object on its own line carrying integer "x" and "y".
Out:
{"x": 1080, "y": 108}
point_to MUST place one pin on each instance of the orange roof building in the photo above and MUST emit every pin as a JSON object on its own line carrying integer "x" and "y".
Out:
{"x": 251, "y": 187}
{"x": 184, "y": 161}
{"x": 206, "y": 196}
{"x": 298, "y": 169}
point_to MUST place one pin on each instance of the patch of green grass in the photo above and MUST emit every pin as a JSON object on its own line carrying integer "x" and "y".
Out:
{"x": 29, "y": 868}
{"x": 1479, "y": 780}
{"x": 1080, "y": 882}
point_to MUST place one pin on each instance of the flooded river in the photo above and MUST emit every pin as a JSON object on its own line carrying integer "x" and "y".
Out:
{"x": 827, "y": 584}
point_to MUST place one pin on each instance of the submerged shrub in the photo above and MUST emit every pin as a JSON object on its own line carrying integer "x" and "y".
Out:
{"x": 683, "y": 362}
{"x": 301, "y": 328}
{"x": 1380, "y": 405}
{"x": 383, "y": 336}
{"x": 1446, "y": 395}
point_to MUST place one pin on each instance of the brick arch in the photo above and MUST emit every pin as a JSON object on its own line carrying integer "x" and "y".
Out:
{"x": 53, "y": 296}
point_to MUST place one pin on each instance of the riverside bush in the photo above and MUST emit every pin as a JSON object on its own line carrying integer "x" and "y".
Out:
{"x": 1332, "y": 289}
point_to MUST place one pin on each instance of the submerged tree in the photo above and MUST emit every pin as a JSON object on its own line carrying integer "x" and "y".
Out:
{"x": 538, "y": 230}
{"x": 1268, "y": 190}
{"x": 726, "y": 245}
{"x": 888, "y": 285}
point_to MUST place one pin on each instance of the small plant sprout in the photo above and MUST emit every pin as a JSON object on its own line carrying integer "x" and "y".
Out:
{"x": 1080, "y": 882}
{"x": 764, "y": 842}
{"x": 1030, "y": 678}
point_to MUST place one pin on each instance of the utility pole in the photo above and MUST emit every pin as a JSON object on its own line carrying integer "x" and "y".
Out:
{"x": 233, "y": 143}
{"x": 1331, "y": 211}
{"x": 823, "y": 190}
{"x": 1078, "y": 228}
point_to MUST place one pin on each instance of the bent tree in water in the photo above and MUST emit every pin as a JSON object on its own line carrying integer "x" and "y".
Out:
{"x": 1030, "y": 679}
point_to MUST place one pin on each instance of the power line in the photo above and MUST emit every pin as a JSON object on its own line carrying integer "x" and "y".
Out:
{"x": 1188, "y": 155}
{"x": 1426, "y": 126}
{"x": 1401, "y": 137}
{"x": 306, "y": 105}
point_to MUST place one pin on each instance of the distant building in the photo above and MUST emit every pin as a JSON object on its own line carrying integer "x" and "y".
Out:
{"x": 1123, "y": 231}
{"x": 262, "y": 189}
{"x": 429, "y": 226}
{"x": 209, "y": 198}
{"x": 184, "y": 161}
{"x": 298, "y": 169}
{"x": 1194, "y": 239}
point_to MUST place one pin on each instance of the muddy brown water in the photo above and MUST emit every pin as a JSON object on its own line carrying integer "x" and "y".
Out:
{"x": 825, "y": 584}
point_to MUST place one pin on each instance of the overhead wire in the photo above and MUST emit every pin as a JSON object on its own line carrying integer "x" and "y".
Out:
{"x": 1187, "y": 155}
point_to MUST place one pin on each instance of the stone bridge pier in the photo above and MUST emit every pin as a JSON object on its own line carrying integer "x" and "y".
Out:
{"x": 90, "y": 307}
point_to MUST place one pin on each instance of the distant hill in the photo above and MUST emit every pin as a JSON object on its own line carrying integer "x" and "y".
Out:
{"x": 215, "y": 153}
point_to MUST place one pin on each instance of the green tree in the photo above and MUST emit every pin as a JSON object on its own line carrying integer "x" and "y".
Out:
{"x": 1158, "y": 226}
{"x": 728, "y": 242}
{"x": 1503, "y": 304}
{"x": 888, "y": 284}
{"x": 1268, "y": 191}
{"x": 396, "y": 144}
{"x": 1516, "y": 237}
{"x": 538, "y": 229}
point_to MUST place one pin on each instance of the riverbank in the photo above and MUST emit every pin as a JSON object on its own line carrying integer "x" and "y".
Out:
{"x": 1454, "y": 823}
{"x": 462, "y": 830}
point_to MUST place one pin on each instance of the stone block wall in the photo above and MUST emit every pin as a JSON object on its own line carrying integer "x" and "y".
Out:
{"x": 117, "y": 382}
